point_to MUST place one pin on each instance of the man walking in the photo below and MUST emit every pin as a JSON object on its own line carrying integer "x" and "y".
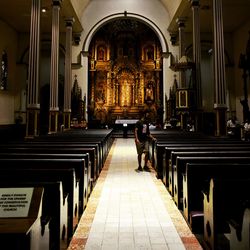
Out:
{"x": 142, "y": 138}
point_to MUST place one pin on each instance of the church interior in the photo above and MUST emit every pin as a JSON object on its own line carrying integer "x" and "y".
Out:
{"x": 77, "y": 76}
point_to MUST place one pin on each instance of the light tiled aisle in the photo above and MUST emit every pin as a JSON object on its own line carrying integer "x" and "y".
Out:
{"x": 130, "y": 210}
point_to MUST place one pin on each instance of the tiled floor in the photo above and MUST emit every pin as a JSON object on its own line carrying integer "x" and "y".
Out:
{"x": 130, "y": 210}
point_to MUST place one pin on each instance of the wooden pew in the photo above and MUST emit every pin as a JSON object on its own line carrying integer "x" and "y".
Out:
{"x": 60, "y": 167}
{"x": 102, "y": 139}
{"x": 239, "y": 236}
{"x": 60, "y": 152}
{"x": 167, "y": 177}
{"x": 20, "y": 215}
{"x": 159, "y": 157}
{"x": 203, "y": 153}
{"x": 68, "y": 200}
{"x": 180, "y": 168}
{"x": 196, "y": 177}
{"x": 60, "y": 155}
{"x": 224, "y": 200}
{"x": 62, "y": 148}
{"x": 171, "y": 156}
{"x": 53, "y": 218}
{"x": 90, "y": 155}
{"x": 96, "y": 159}
{"x": 101, "y": 136}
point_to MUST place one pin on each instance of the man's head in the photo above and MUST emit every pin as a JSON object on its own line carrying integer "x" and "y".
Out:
{"x": 146, "y": 115}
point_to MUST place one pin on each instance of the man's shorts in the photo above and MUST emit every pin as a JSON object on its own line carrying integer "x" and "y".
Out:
{"x": 142, "y": 147}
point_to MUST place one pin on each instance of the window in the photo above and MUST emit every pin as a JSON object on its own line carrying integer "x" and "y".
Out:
{"x": 4, "y": 71}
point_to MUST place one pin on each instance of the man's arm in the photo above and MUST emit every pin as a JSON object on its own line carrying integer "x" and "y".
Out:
{"x": 152, "y": 137}
{"x": 136, "y": 135}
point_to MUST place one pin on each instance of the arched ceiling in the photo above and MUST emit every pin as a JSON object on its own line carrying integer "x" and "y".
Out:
{"x": 17, "y": 14}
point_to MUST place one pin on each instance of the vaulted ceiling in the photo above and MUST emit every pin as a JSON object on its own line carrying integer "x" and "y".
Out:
{"x": 17, "y": 14}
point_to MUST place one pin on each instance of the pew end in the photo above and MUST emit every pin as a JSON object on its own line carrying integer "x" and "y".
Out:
{"x": 20, "y": 219}
{"x": 223, "y": 202}
{"x": 239, "y": 236}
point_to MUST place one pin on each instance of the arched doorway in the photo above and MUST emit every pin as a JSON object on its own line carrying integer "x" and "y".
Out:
{"x": 125, "y": 72}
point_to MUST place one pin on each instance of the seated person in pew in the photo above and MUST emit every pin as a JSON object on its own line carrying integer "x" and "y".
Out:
{"x": 232, "y": 126}
{"x": 247, "y": 130}
{"x": 84, "y": 124}
{"x": 191, "y": 125}
{"x": 75, "y": 124}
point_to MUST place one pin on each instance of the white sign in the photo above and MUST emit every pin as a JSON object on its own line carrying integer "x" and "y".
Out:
{"x": 15, "y": 202}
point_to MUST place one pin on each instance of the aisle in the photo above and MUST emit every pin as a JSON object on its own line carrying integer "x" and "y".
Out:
{"x": 130, "y": 210}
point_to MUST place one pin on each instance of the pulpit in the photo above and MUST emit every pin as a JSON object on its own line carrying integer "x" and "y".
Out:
{"x": 186, "y": 95}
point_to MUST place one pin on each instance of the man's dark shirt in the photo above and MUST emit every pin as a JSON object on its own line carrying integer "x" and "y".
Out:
{"x": 143, "y": 130}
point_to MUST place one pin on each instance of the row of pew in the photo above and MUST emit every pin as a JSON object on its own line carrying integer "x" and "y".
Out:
{"x": 208, "y": 178}
{"x": 64, "y": 168}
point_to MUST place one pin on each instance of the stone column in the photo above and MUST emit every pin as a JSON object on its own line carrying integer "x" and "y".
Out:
{"x": 137, "y": 89}
{"x": 54, "y": 109}
{"x": 33, "y": 105}
{"x": 219, "y": 69}
{"x": 116, "y": 92}
{"x": 92, "y": 100}
{"x": 113, "y": 88}
{"x": 133, "y": 94}
{"x": 181, "y": 25}
{"x": 197, "y": 50}
{"x": 68, "y": 74}
{"x": 109, "y": 89}
{"x": 157, "y": 85}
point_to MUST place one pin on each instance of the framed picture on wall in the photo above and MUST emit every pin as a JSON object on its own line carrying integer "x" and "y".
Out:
{"x": 182, "y": 98}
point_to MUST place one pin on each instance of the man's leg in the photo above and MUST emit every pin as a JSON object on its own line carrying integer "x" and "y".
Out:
{"x": 139, "y": 155}
{"x": 146, "y": 158}
{"x": 146, "y": 168}
{"x": 146, "y": 151}
{"x": 139, "y": 162}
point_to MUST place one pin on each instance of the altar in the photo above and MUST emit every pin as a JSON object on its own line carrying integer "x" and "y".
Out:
{"x": 125, "y": 125}
{"x": 126, "y": 121}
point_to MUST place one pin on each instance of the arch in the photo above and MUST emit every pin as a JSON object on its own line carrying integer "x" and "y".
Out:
{"x": 25, "y": 54}
{"x": 138, "y": 17}
{"x": 127, "y": 15}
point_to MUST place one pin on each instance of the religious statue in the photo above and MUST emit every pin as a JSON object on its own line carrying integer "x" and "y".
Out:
{"x": 149, "y": 95}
